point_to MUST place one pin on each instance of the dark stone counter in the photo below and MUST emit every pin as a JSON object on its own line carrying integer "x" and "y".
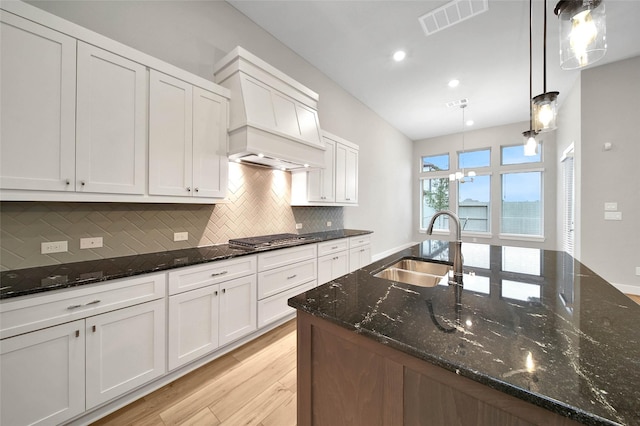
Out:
{"x": 535, "y": 324}
{"x": 22, "y": 282}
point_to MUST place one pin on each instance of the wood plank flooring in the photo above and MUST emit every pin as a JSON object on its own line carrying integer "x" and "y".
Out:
{"x": 252, "y": 385}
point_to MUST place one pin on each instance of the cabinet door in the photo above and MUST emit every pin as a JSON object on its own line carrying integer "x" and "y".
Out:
{"x": 37, "y": 107}
{"x": 322, "y": 181}
{"x": 111, "y": 123}
{"x": 43, "y": 376}
{"x": 170, "y": 135}
{"x": 210, "y": 162}
{"x": 125, "y": 349}
{"x": 346, "y": 174}
{"x": 359, "y": 257}
{"x": 332, "y": 266}
{"x": 238, "y": 306}
{"x": 193, "y": 325}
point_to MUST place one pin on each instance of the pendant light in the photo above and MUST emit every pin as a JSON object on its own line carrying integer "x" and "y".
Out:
{"x": 530, "y": 143}
{"x": 460, "y": 175}
{"x": 545, "y": 106}
{"x": 582, "y": 32}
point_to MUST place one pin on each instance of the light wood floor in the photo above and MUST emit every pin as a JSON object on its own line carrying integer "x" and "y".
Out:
{"x": 634, "y": 298}
{"x": 253, "y": 385}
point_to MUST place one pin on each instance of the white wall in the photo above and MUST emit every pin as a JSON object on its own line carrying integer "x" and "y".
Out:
{"x": 493, "y": 137}
{"x": 610, "y": 113}
{"x": 194, "y": 35}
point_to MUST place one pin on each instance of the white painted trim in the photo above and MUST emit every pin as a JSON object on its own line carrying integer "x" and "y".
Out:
{"x": 628, "y": 288}
{"x": 389, "y": 252}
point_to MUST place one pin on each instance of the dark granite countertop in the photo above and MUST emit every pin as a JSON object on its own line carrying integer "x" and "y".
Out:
{"x": 21, "y": 282}
{"x": 535, "y": 324}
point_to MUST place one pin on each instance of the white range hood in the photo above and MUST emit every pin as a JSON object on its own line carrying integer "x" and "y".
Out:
{"x": 273, "y": 119}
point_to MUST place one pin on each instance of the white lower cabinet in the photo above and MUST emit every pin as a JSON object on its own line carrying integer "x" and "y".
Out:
{"x": 42, "y": 376}
{"x": 359, "y": 252}
{"x": 333, "y": 260}
{"x": 125, "y": 349}
{"x": 283, "y": 274}
{"x": 209, "y": 307}
{"x": 91, "y": 344}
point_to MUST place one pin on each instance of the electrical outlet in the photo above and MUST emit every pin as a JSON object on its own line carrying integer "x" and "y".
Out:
{"x": 611, "y": 207}
{"x": 87, "y": 243}
{"x": 298, "y": 226}
{"x": 329, "y": 223}
{"x": 180, "y": 236}
{"x": 612, "y": 215}
{"x": 54, "y": 247}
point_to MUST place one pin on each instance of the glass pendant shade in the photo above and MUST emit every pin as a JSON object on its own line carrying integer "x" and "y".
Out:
{"x": 545, "y": 111}
{"x": 583, "y": 38}
{"x": 530, "y": 143}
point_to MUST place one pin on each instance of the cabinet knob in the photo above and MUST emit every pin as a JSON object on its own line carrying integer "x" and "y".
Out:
{"x": 215, "y": 293}
{"x": 196, "y": 189}
{"x": 67, "y": 182}
{"x": 77, "y": 333}
{"x": 188, "y": 189}
{"x": 224, "y": 290}
{"x": 93, "y": 328}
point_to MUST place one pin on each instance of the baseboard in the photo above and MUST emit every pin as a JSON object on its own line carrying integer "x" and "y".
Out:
{"x": 389, "y": 252}
{"x": 628, "y": 289}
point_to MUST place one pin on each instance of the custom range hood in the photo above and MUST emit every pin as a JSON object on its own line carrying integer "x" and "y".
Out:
{"x": 273, "y": 119}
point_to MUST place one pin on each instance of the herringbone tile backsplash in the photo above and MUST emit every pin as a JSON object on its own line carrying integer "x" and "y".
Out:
{"x": 258, "y": 204}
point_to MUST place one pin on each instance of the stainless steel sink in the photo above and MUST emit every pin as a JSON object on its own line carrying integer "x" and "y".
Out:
{"x": 416, "y": 272}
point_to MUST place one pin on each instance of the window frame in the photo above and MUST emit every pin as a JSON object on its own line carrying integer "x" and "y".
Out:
{"x": 524, "y": 237}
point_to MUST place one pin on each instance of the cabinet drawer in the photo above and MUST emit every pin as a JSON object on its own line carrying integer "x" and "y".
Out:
{"x": 193, "y": 277}
{"x": 36, "y": 312}
{"x": 359, "y": 241}
{"x": 283, "y": 257}
{"x": 333, "y": 246}
{"x": 281, "y": 279}
{"x": 275, "y": 307}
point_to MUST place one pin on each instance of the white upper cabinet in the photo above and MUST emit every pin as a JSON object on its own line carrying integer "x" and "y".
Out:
{"x": 210, "y": 162}
{"x": 334, "y": 184}
{"x": 111, "y": 123}
{"x": 322, "y": 182}
{"x": 38, "y": 106}
{"x": 85, "y": 118}
{"x": 170, "y": 135}
{"x": 346, "y": 174}
{"x": 187, "y": 139}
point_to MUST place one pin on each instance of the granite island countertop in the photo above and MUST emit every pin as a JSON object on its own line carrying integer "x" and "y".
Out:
{"x": 535, "y": 324}
{"x": 21, "y": 282}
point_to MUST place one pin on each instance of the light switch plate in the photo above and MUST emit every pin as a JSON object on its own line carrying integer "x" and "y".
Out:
{"x": 611, "y": 207}
{"x": 180, "y": 236}
{"x": 638, "y": 270}
{"x": 298, "y": 226}
{"x": 612, "y": 215}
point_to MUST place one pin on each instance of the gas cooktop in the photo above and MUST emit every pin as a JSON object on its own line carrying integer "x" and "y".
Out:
{"x": 266, "y": 241}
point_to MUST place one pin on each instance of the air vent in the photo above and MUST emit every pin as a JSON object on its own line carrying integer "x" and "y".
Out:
{"x": 457, "y": 103}
{"x": 450, "y": 14}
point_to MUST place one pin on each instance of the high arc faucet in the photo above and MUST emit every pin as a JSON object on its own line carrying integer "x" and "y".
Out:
{"x": 457, "y": 256}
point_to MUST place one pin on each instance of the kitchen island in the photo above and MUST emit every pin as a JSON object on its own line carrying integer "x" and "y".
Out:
{"x": 535, "y": 338}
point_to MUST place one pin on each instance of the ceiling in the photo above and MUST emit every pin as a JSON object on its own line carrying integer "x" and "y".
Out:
{"x": 352, "y": 42}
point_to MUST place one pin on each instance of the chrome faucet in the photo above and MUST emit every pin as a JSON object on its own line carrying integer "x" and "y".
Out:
{"x": 457, "y": 256}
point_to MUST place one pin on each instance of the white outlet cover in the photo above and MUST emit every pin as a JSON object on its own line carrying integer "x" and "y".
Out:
{"x": 180, "y": 236}
{"x": 611, "y": 206}
{"x": 612, "y": 215}
{"x": 298, "y": 226}
{"x": 54, "y": 247}
{"x": 328, "y": 223}
{"x": 87, "y": 243}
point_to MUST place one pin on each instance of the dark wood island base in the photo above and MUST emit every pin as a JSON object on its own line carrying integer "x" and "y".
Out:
{"x": 347, "y": 379}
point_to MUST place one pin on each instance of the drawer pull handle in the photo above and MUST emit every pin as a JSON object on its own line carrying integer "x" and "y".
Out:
{"x": 93, "y": 328}
{"x": 92, "y": 303}
{"x": 292, "y": 276}
{"x": 217, "y": 274}
{"x": 334, "y": 247}
{"x": 77, "y": 333}
{"x": 74, "y": 307}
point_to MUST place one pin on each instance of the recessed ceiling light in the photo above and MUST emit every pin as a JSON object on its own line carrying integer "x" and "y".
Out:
{"x": 469, "y": 122}
{"x": 399, "y": 55}
{"x": 454, "y": 83}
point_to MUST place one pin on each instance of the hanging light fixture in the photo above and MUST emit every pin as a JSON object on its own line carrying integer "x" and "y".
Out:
{"x": 583, "y": 38}
{"x": 545, "y": 106}
{"x": 460, "y": 175}
{"x": 530, "y": 143}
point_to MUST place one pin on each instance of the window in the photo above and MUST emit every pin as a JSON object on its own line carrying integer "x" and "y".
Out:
{"x": 514, "y": 154}
{"x": 435, "y": 197}
{"x": 522, "y": 203}
{"x": 435, "y": 163}
{"x": 474, "y": 159}
{"x": 474, "y": 204}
